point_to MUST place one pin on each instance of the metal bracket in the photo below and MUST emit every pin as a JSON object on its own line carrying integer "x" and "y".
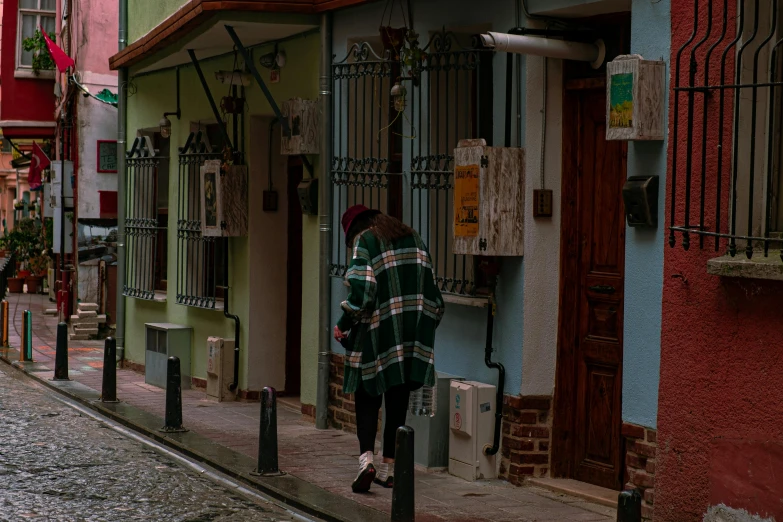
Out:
{"x": 268, "y": 95}
{"x": 484, "y": 161}
{"x": 211, "y": 100}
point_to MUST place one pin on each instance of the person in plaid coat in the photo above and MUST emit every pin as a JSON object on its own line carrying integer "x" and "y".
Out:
{"x": 387, "y": 328}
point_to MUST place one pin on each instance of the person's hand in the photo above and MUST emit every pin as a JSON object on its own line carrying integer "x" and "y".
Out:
{"x": 338, "y": 335}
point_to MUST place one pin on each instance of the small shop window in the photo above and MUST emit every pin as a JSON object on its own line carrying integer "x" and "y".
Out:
{"x": 727, "y": 154}
{"x": 201, "y": 260}
{"x": 146, "y": 217}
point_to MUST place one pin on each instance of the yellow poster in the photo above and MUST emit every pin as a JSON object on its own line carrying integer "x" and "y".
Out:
{"x": 466, "y": 201}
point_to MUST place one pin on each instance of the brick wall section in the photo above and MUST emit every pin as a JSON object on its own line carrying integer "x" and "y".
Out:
{"x": 640, "y": 448}
{"x": 527, "y": 423}
{"x": 342, "y": 410}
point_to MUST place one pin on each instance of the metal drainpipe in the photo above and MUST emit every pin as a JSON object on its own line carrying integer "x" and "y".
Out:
{"x": 122, "y": 100}
{"x": 325, "y": 207}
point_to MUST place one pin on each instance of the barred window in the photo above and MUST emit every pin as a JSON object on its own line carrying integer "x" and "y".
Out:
{"x": 726, "y": 135}
{"x": 146, "y": 216}
{"x": 201, "y": 263}
{"x": 447, "y": 97}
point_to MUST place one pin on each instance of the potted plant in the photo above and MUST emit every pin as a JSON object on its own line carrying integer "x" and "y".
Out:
{"x": 24, "y": 241}
{"x": 38, "y": 265}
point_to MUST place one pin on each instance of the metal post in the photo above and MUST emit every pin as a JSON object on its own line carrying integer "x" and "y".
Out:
{"x": 629, "y": 506}
{"x": 26, "y": 350}
{"x": 5, "y": 323}
{"x": 61, "y": 355}
{"x": 173, "y": 397}
{"x": 403, "y": 495}
{"x": 267, "y": 435}
{"x": 109, "y": 385}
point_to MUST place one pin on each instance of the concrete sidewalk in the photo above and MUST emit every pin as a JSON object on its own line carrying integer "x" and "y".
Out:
{"x": 324, "y": 459}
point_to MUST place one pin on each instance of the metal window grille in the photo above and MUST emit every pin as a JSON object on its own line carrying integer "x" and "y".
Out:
{"x": 198, "y": 256}
{"x": 142, "y": 225}
{"x": 726, "y": 146}
{"x": 448, "y": 98}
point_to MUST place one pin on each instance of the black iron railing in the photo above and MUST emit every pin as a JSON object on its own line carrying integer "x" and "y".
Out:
{"x": 726, "y": 141}
{"x": 446, "y": 96}
{"x": 198, "y": 256}
{"x": 142, "y": 223}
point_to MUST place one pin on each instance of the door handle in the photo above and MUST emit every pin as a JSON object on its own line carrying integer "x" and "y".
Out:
{"x": 602, "y": 289}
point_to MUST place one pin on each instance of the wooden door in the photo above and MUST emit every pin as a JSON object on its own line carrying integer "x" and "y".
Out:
{"x": 293, "y": 349}
{"x": 588, "y": 403}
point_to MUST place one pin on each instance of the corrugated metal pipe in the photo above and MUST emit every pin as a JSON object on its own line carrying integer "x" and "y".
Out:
{"x": 122, "y": 101}
{"x": 595, "y": 53}
{"x": 325, "y": 212}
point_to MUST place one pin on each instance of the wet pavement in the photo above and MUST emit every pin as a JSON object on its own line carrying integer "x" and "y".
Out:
{"x": 59, "y": 464}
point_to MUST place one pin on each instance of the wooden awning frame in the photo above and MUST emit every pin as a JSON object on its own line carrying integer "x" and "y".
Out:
{"x": 196, "y": 12}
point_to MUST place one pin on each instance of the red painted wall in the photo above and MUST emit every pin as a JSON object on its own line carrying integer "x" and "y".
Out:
{"x": 720, "y": 416}
{"x": 23, "y": 99}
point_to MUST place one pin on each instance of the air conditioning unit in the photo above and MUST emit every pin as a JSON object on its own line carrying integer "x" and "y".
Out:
{"x": 472, "y": 427}
{"x": 164, "y": 340}
{"x": 220, "y": 368}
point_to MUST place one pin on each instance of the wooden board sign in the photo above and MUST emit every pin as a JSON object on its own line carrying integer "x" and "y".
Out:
{"x": 635, "y": 108}
{"x": 107, "y": 156}
{"x": 466, "y": 198}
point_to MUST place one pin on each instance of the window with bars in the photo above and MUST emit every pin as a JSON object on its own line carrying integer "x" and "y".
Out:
{"x": 726, "y": 135}
{"x": 33, "y": 14}
{"x": 201, "y": 260}
{"x": 146, "y": 216}
{"x": 448, "y": 98}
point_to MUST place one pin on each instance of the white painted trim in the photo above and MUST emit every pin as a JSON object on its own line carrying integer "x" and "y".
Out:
{"x": 28, "y": 74}
{"x": 12, "y": 124}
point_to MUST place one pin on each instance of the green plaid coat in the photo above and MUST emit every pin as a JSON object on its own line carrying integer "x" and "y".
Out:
{"x": 392, "y": 311}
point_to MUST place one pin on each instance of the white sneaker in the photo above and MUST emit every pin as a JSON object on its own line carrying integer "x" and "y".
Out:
{"x": 366, "y": 474}
{"x": 385, "y": 476}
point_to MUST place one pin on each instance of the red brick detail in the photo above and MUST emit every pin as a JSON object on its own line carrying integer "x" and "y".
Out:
{"x": 132, "y": 366}
{"x": 198, "y": 382}
{"x": 641, "y": 446}
{"x": 342, "y": 408}
{"x": 526, "y": 437}
{"x": 308, "y": 412}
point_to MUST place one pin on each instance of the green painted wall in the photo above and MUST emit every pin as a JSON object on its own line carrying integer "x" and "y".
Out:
{"x": 143, "y": 15}
{"x": 156, "y": 94}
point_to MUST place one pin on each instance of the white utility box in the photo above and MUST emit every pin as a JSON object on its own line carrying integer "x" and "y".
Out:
{"x": 472, "y": 426}
{"x": 220, "y": 368}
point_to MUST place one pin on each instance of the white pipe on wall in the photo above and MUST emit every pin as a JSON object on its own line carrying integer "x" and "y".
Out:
{"x": 546, "y": 47}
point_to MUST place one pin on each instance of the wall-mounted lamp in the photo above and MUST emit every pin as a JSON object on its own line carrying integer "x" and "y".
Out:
{"x": 165, "y": 123}
{"x": 274, "y": 60}
{"x": 398, "y": 92}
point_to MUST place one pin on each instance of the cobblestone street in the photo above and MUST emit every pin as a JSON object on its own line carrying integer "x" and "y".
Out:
{"x": 59, "y": 464}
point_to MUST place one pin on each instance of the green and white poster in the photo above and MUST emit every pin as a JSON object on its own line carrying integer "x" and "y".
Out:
{"x": 621, "y": 101}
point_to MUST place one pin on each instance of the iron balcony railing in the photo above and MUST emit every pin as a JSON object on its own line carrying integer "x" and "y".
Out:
{"x": 726, "y": 133}
{"x": 197, "y": 255}
{"x": 142, "y": 225}
{"x": 382, "y": 144}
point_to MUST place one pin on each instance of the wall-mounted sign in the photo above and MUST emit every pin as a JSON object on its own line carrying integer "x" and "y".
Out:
{"x": 107, "y": 156}
{"x": 635, "y": 108}
{"x": 466, "y": 201}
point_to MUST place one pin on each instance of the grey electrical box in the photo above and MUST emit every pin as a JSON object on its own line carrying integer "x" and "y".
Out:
{"x": 640, "y": 195}
{"x": 308, "y": 196}
{"x": 164, "y": 340}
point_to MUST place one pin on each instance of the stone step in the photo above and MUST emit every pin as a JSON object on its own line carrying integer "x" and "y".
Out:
{"x": 87, "y": 307}
{"x": 50, "y": 311}
{"x": 79, "y": 337}
{"x": 102, "y": 318}
{"x": 75, "y": 319}
{"x": 89, "y": 313}
{"x": 88, "y": 330}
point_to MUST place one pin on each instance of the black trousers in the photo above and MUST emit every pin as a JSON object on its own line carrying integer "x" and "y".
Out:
{"x": 367, "y": 408}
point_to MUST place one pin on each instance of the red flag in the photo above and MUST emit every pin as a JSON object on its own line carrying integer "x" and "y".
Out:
{"x": 38, "y": 163}
{"x": 61, "y": 60}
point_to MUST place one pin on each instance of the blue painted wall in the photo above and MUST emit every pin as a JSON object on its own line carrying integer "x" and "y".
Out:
{"x": 459, "y": 347}
{"x": 651, "y": 38}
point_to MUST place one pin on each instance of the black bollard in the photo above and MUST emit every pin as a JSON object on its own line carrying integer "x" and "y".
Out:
{"x": 173, "y": 397}
{"x": 26, "y": 350}
{"x": 267, "y": 435}
{"x": 109, "y": 385}
{"x": 61, "y": 354}
{"x": 403, "y": 495}
{"x": 629, "y": 506}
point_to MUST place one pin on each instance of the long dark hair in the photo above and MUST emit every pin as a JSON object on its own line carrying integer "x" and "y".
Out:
{"x": 386, "y": 228}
